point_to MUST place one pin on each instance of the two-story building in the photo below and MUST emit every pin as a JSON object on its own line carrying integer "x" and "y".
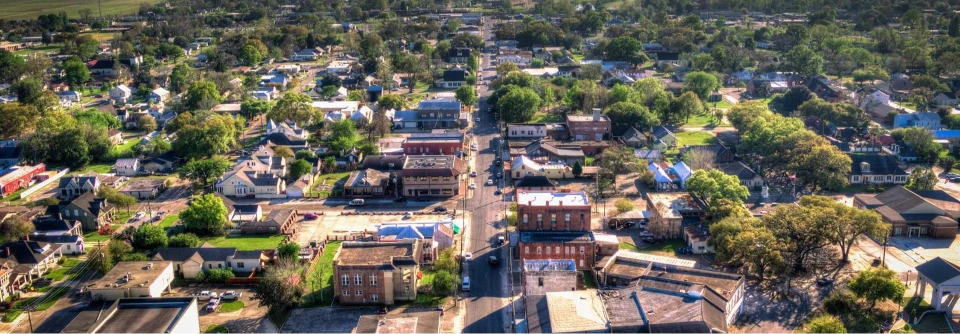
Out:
{"x": 73, "y": 186}
{"x": 578, "y": 246}
{"x": 439, "y": 143}
{"x": 589, "y": 127}
{"x": 553, "y": 211}
{"x": 366, "y": 183}
{"x": 926, "y": 120}
{"x": 871, "y": 168}
{"x": 376, "y": 273}
{"x": 91, "y": 211}
{"x": 432, "y": 175}
{"x": 932, "y": 213}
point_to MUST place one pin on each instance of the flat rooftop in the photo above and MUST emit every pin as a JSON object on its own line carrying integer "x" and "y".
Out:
{"x": 429, "y": 162}
{"x": 655, "y": 259}
{"x": 133, "y": 315}
{"x": 670, "y": 204}
{"x": 373, "y": 253}
{"x": 584, "y": 236}
{"x": 576, "y": 311}
{"x": 552, "y": 198}
{"x": 586, "y": 118}
{"x": 417, "y": 322}
{"x": 140, "y": 272}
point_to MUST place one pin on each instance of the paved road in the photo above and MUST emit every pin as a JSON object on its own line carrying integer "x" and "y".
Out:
{"x": 485, "y": 302}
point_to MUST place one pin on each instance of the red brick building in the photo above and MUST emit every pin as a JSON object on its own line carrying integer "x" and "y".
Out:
{"x": 577, "y": 246}
{"x": 547, "y": 210}
{"x": 374, "y": 273}
{"x": 589, "y": 127}
{"x": 19, "y": 178}
{"x": 433, "y": 144}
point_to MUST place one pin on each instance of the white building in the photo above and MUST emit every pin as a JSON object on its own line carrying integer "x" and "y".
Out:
{"x": 133, "y": 279}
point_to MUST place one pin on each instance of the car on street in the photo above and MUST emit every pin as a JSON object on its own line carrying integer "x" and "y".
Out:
{"x": 408, "y": 215}
{"x": 493, "y": 261}
{"x": 473, "y": 185}
{"x": 490, "y": 182}
{"x": 231, "y": 295}
{"x": 478, "y": 119}
{"x": 440, "y": 209}
{"x": 955, "y": 179}
{"x": 473, "y": 174}
{"x": 497, "y": 192}
{"x": 138, "y": 216}
{"x": 950, "y": 175}
{"x": 499, "y": 175}
{"x": 501, "y": 240}
{"x": 468, "y": 256}
{"x": 465, "y": 285}
{"x": 310, "y": 216}
{"x": 357, "y": 202}
{"x": 159, "y": 215}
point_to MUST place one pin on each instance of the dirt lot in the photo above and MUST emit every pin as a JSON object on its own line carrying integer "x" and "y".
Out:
{"x": 336, "y": 224}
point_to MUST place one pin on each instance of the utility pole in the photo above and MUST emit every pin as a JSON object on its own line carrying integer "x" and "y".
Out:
{"x": 28, "y": 309}
{"x": 100, "y": 8}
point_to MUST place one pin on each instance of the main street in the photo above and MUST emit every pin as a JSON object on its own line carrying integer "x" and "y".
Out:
{"x": 486, "y": 302}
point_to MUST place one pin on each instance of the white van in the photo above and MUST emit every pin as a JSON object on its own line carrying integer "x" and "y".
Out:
{"x": 357, "y": 202}
{"x": 465, "y": 286}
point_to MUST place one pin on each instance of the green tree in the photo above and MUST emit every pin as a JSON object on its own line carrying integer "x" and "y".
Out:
{"x": 759, "y": 249}
{"x": 294, "y": 107}
{"x": 623, "y": 114}
{"x": 577, "y": 169}
{"x": 250, "y": 56}
{"x": 474, "y": 63}
{"x": 724, "y": 208}
{"x": 28, "y": 90}
{"x": 626, "y": 48}
{"x": 801, "y": 230}
{"x": 72, "y": 149}
{"x": 76, "y": 72}
{"x": 725, "y": 231}
{"x": 252, "y": 108}
{"x": 954, "y": 27}
{"x": 179, "y": 78}
{"x": 826, "y": 324}
{"x": 184, "y": 240}
{"x": 300, "y": 168}
{"x": 283, "y": 151}
{"x": 12, "y": 66}
{"x": 823, "y": 167}
{"x": 686, "y": 106}
{"x": 922, "y": 179}
{"x": 289, "y": 251}
{"x": 444, "y": 282}
{"x": 343, "y": 135}
{"x": 519, "y": 105}
{"x": 877, "y": 284}
{"x": 803, "y": 60}
{"x": 16, "y": 118}
{"x": 467, "y": 95}
{"x": 218, "y": 275}
{"x": 714, "y": 184}
{"x": 149, "y": 237}
{"x": 846, "y": 224}
{"x": 921, "y": 141}
{"x": 701, "y": 83}
{"x": 202, "y": 95}
{"x": 624, "y": 205}
{"x": 275, "y": 291}
{"x": 147, "y": 123}
{"x": 206, "y": 215}
{"x": 15, "y": 228}
{"x": 204, "y": 171}
{"x": 392, "y": 101}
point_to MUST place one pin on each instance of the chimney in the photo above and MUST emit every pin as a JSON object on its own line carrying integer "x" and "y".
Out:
{"x": 596, "y": 114}
{"x": 27, "y": 237}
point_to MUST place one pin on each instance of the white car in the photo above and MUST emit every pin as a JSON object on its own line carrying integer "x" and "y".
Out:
{"x": 473, "y": 174}
{"x": 231, "y": 295}
{"x": 468, "y": 256}
{"x": 408, "y": 215}
{"x": 489, "y": 182}
{"x": 473, "y": 185}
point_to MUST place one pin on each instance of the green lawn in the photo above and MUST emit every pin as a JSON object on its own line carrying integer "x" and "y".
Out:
{"x": 327, "y": 180}
{"x": 427, "y": 279}
{"x": 588, "y": 280}
{"x": 932, "y": 323}
{"x": 70, "y": 262}
{"x": 17, "y": 309}
{"x": 18, "y": 9}
{"x": 695, "y": 138}
{"x": 102, "y": 167}
{"x": 628, "y": 246}
{"x": 232, "y": 306}
{"x": 665, "y": 248}
{"x": 44, "y": 48}
{"x": 429, "y": 300}
{"x": 542, "y": 117}
{"x": 320, "y": 281}
{"x": 123, "y": 151}
{"x": 95, "y": 236}
{"x": 216, "y": 329}
{"x": 247, "y": 242}
{"x": 169, "y": 220}
{"x": 702, "y": 120}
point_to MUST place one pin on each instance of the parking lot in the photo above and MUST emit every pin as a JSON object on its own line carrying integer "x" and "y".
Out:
{"x": 337, "y": 224}
{"x": 248, "y": 320}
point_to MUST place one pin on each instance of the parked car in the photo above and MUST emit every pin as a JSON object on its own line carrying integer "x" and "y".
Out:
{"x": 440, "y": 209}
{"x": 138, "y": 216}
{"x": 473, "y": 174}
{"x": 490, "y": 182}
{"x": 465, "y": 285}
{"x": 646, "y": 234}
{"x": 310, "y": 216}
{"x": 159, "y": 216}
{"x": 213, "y": 305}
{"x": 231, "y": 295}
{"x": 468, "y": 256}
{"x": 501, "y": 240}
{"x": 824, "y": 281}
{"x": 357, "y": 202}
{"x": 473, "y": 185}
{"x": 205, "y": 295}
{"x": 494, "y": 261}
{"x": 497, "y": 192}
{"x": 951, "y": 175}
{"x": 408, "y": 215}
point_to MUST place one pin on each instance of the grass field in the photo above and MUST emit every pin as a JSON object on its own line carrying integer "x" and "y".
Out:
{"x": 247, "y": 242}
{"x": 695, "y": 138}
{"x": 45, "y": 48}
{"x": 232, "y": 306}
{"x": 216, "y": 329}
{"x": 321, "y": 278}
{"x": 665, "y": 248}
{"x": 169, "y": 220}
{"x": 702, "y": 120}
{"x": 19, "y": 9}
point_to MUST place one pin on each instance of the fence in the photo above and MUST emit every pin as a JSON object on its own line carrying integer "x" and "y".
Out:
{"x": 46, "y": 182}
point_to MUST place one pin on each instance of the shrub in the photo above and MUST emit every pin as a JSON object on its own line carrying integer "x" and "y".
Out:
{"x": 840, "y": 302}
{"x": 201, "y": 276}
{"x": 184, "y": 240}
{"x": 219, "y": 275}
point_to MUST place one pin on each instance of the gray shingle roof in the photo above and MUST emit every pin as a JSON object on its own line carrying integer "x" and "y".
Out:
{"x": 939, "y": 270}
{"x": 183, "y": 254}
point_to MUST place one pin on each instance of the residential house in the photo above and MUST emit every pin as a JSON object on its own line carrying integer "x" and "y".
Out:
{"x": 159, "y": 95}
{"x": 71, "y": 244}
{"x": 367, "y": 183}
{"x": 260, "y": 176}
{"x": 932, "y": 213}
{"x": 91, "y": 211}
{"x": 589, "y": 127}
{"x": 827, "y": 89}
{"x": 458, "y": 55}
{"x": 668, "y": 211}
{"x": 648, "y": 155}
{"x": 72, "y": 186}
{"x": 362, "y": 116}
{"x": 115, "y": 136}
{"x": 453, "y": 78}
{"x": 432, "y": 236}
{"x": 143, "y": 189}
{"x": 540, "y": 277}
{"x": 281, "y": 221}
{"x": 188, "y": 262}
{"x": 161, "y": 163}
{"x": 23, "y": 261}
{"x": 946, "y": 99}
{"x": 871, "y": 169}
{"x": 697, "y": 237}
{"x": 127, "y": 167}
{"x": 926, "y": 120}
{"x": 134, "y": 279}
{"x": 69, "y": 97}
{"x": 101, "y": 67}
{"x": 553, "y": 211}
{"x": 432, "y": 175}
{"x": 245, "y": 213}
{"x": 670, "y": 178}
{"x": 121, "y": 94}
{"x": 298, "y": 188}
{"x": 904, "y": 152}
{"x": 376, "y": 273}
{"x": 541, "y": 150}
{"x": 744, "y": 173}
{"x": 440, "y": 114}
{"x": 720, "y": 152}
{"x": 54, "y": 225}
{"x": 663, "y": 58}
{"x": 662, "y": 138}
{"x": 634, "y": 138}
{"x": 307, "y": 54}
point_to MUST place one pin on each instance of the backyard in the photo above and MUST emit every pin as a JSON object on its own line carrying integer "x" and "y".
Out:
{"x": 247, "y": 242}
{"x": 320, "y": 280}
{"x": 325, "y": 184}
{"x": 17, "y": 9}
{"x": 690, "y": 138}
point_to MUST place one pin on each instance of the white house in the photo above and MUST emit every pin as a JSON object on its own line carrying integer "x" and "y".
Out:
{"x": 127, "y": 167}
{"x": 134, "y": 279}
{"x": 523, "y": 166}
{"x": 188, "y": 262}
{"x": 159, "y": 95}
{"x": 120, "y": 94}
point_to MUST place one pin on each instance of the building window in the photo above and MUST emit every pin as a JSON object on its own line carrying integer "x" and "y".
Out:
{"x": 553, "y": 218}
{"x": 566, "y": 218}
{"x": 539, "y": 250}
{"x": 526, "y": 249}
{"x": 345, "y": 280}
{"x": 539, "y": 281}
{"x": 581, "y": 262}
{"x": 896, "y": 231}
{"x": 581, "y": 249}
{"x": 548, "y": 250}
{"x": 374, "y": 297}
{"x": 359, "y": 293}
{"x": 346, "y": 293}
{"x": 525, "y": 218}
{"x": 239, "y": 264}
{"x": 539, "y": 218}
{"x": 373, "y": 280}
{"x": 558, "y": 250}
{"x": 358, "y": 279}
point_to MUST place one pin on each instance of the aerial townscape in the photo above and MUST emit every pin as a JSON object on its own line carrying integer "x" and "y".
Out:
{"x": 479, "y": 166}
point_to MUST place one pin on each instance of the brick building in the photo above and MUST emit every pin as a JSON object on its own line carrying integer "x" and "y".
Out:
{"x": 374, "y": 273}
{"x": 543, "y": 276}
{"x": 577, "y": 246}
{"x": 432, "y": 175}
{"x": 553, "y": 211}
{"x": 434, "y": 143}
{"x": 589, "y": 127}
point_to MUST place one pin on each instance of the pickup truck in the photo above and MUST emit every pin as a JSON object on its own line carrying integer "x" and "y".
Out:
{"x": 205, "y": 295}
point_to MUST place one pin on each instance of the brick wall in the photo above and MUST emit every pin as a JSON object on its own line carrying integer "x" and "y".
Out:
{"x": 581, "y": 252}
{"x": 419, "y": 148}
{"x": 370, "y": 289}
{"x": 576, "y": 223}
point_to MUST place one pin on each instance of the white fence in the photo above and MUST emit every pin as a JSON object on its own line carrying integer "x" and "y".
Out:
{"x": 40, "y": 185}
